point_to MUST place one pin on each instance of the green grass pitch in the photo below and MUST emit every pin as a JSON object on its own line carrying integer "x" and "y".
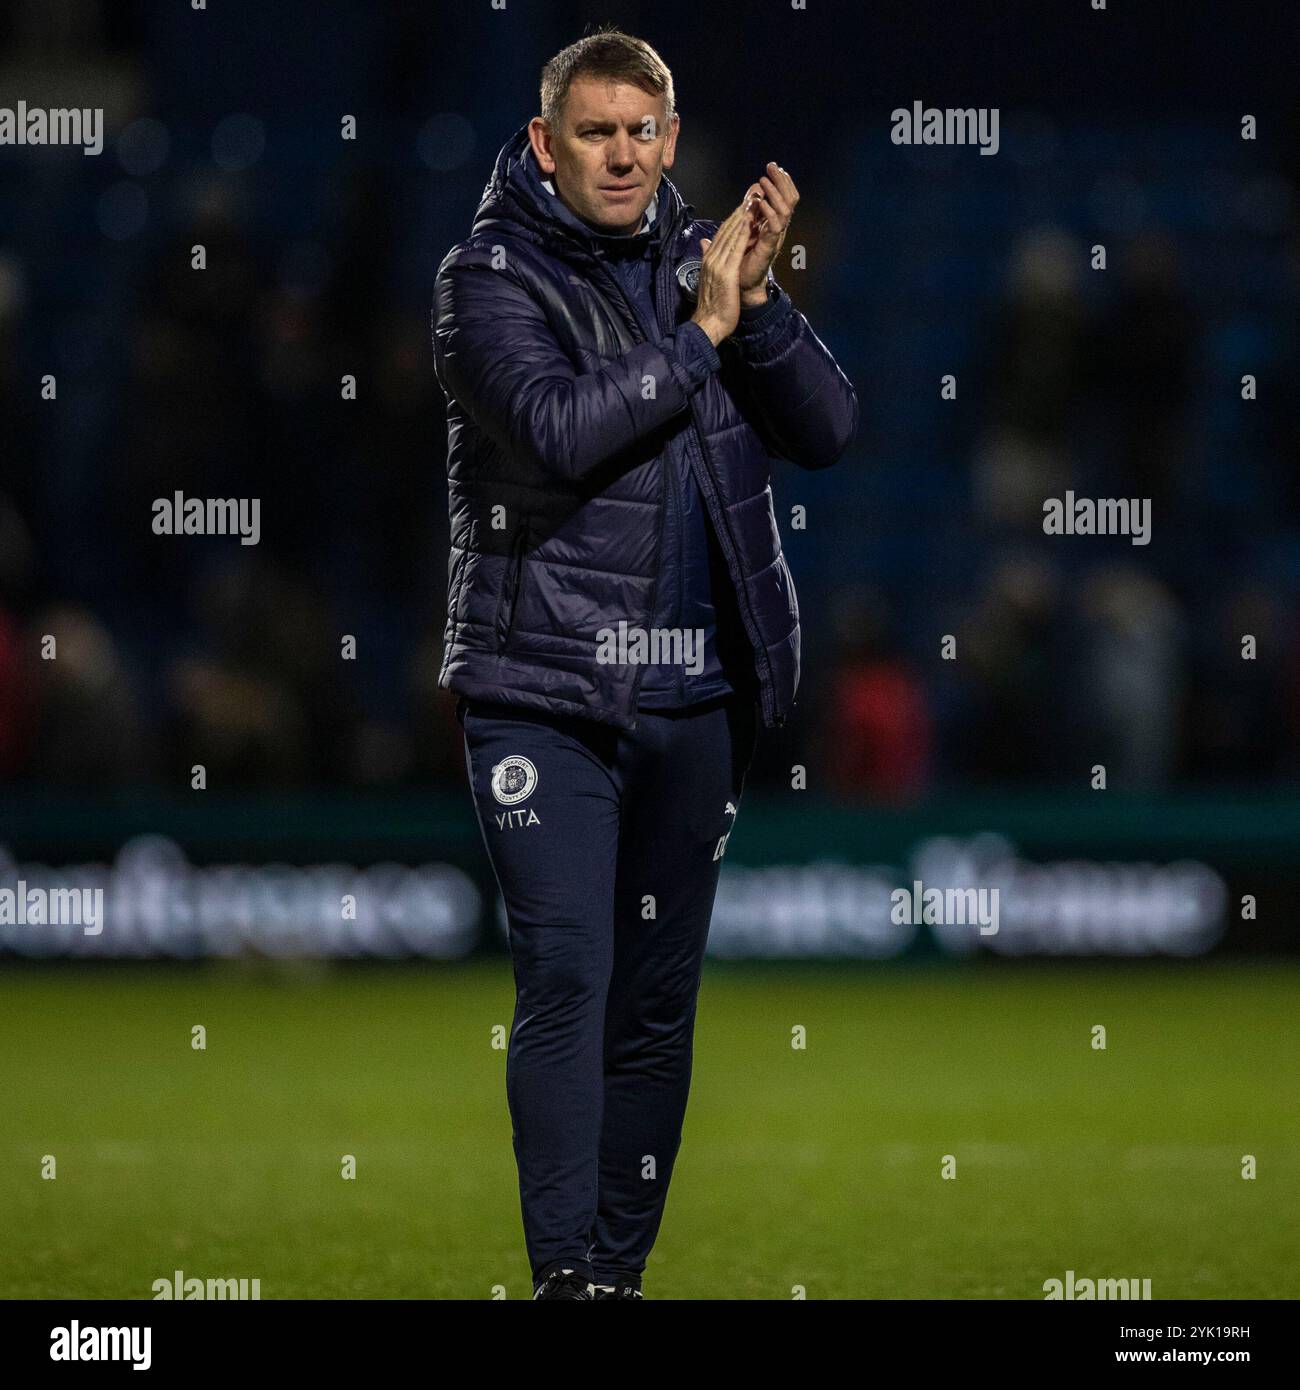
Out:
{"x": 817, "y": 1168}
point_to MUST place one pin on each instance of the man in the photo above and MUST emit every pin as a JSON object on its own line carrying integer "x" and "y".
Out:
{"x": 617, "y": 375}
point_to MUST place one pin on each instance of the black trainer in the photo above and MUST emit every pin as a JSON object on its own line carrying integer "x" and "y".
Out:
{"x": 623, "y": 1289}
{"x": 563, "y": 1283}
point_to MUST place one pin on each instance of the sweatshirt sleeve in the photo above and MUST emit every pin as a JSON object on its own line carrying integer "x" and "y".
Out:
{"x": 695, "y": 352}
{"x": 806, "y": 407}
{"x": 496, "y": 354}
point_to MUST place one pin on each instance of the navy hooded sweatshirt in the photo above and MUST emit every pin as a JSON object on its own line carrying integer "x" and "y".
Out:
{"x": 544, "y": 362}
{"x": 695, "y": 592}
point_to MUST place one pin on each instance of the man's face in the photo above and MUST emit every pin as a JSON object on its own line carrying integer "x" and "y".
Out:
{"x": 605, "y": 158}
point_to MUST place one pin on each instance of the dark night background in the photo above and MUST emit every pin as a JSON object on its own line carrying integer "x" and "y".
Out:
{"x": 223, "y": 127}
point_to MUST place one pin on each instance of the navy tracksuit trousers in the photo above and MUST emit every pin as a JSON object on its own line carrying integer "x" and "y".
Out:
{"x": 607, "y": 846}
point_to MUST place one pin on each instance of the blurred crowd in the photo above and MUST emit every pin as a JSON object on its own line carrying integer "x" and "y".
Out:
{"x": 1026, "y": 661}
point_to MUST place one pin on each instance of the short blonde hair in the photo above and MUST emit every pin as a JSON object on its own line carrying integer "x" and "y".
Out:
{"x": 610, "y": 54}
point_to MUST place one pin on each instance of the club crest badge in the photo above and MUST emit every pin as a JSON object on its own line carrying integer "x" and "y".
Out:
{"x": 513, "y": 780}
{"x": 688, "y": 277}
